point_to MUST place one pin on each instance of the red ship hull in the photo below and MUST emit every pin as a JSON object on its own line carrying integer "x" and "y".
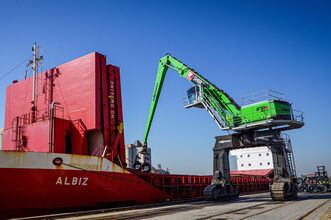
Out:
{"x": 83, "y": 181}
{"x": 31, "y": 183}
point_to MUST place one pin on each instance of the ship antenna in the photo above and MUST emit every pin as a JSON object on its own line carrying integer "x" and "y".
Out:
{"x": 35, "y": 68}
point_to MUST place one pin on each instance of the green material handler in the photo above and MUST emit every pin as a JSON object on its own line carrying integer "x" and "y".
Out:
{"x": 272, "y": 112}
{"x": 258, "y": 123}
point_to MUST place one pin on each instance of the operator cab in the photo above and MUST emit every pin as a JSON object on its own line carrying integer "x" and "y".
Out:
{"x": 193, "y": 98}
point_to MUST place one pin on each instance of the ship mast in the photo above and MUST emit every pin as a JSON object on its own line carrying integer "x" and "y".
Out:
{"x": 35, "y": 68}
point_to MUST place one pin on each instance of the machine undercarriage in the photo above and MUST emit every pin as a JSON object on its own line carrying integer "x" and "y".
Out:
{"x": 283, "y": 186}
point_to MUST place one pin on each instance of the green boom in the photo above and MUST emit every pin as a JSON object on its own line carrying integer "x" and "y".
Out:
{"x": 231, "y": 114}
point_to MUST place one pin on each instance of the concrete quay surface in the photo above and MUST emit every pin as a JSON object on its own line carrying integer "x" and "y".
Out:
{"x": 254, "y": 206}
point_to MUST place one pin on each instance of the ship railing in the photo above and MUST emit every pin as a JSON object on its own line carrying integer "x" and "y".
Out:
{"x": 99, "y": 151}
{"x": 79, "y": 124}
{"x": 40, "y": 115}
{"x": 58, "y": 111}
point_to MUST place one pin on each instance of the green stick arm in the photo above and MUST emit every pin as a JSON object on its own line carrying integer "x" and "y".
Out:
{"x": 161, "y": 73}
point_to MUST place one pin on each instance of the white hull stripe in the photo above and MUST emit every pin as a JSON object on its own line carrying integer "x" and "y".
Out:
{"x": 40, "y": 160}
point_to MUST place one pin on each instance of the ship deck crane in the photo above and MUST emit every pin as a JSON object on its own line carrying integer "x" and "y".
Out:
{"x": 256, "y": 124}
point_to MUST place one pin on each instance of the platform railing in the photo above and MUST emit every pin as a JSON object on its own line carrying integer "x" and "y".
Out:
{"x": 297, "y": 115}
{"x": 266, "y": 94}
{"x": 201, "y": 100}
{"x": 265, "y": 115}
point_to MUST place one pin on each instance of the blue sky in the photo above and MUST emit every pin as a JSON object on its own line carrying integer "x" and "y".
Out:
{"x": 240, "y": 46}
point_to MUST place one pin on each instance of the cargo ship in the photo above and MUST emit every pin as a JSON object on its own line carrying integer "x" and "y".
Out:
{"x": 63, "y": 146}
